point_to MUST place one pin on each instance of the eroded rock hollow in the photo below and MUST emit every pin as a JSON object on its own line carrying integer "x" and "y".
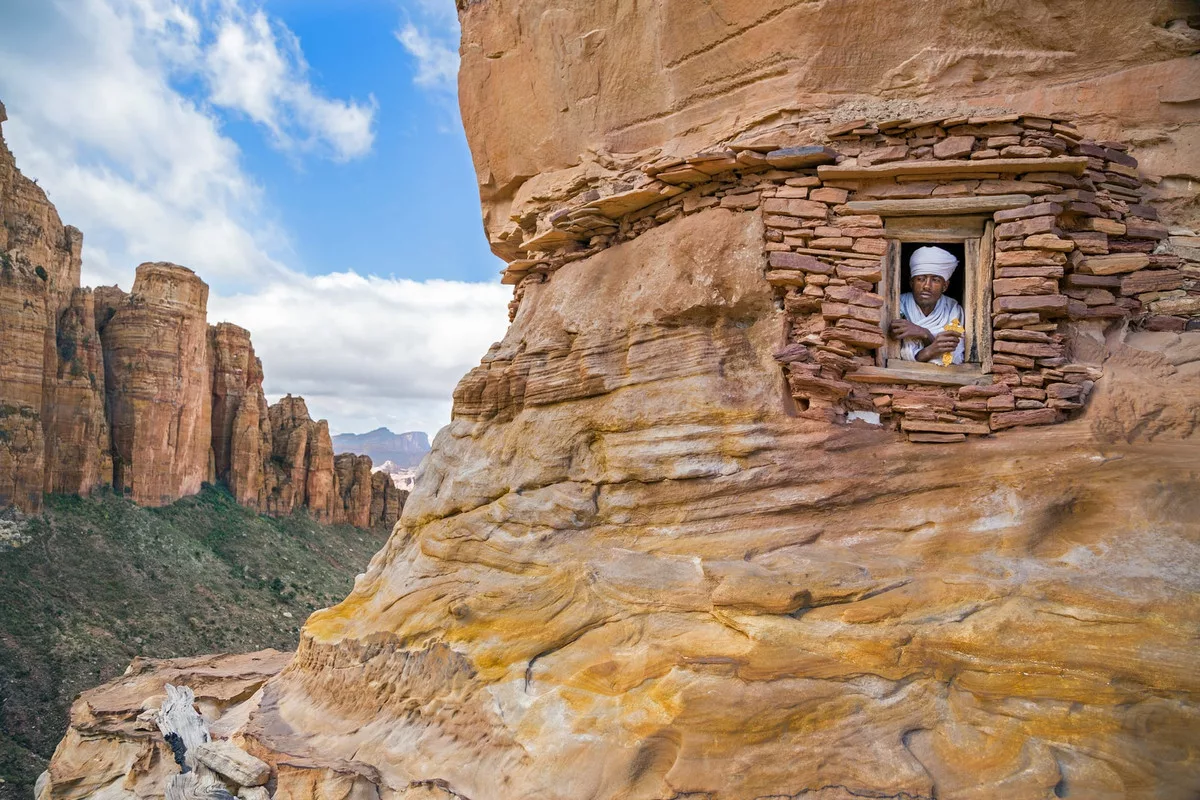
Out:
{"x": 646, "y": 560}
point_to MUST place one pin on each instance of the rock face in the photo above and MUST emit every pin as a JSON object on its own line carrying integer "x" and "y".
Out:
{"x": 627, "y": 571}
{"x": 241, "y": 425}
{"x": 137, "y": 391}
{"x": 354, "y": 489}
{"x": 634, "y": 566}
{"x": 49, "y": 383}
{"x": 387, "y": 501}
{"x": 77, "y": 437}
{"x": 158, "y": 382}
{"x": 302, "y": 460}
{"x": 221, "y": 684}
{"x": 575, "y": 93}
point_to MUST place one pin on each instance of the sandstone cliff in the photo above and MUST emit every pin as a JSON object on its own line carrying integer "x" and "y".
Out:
{"x": 158, "y": 383}
{"x": 135, "y": 390}
{"x": 48, "y": 383}
{"x": 387, "y": 501}
{"x": 573, "y": 94}
{"x": 651, "y": 558}
{"x": 241, "y": 425}
{"x": 78, "y": 455}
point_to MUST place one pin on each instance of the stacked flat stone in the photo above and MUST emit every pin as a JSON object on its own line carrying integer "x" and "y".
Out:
{"x": 1075, "y": 242}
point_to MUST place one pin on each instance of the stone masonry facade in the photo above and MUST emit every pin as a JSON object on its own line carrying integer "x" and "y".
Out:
{"x": 1068, "y": 247}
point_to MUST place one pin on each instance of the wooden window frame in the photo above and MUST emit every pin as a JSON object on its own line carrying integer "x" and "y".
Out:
{"x": 976, "y": 233}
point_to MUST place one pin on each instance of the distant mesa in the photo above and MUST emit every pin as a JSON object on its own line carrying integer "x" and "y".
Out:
{"x": 403, "y": 450}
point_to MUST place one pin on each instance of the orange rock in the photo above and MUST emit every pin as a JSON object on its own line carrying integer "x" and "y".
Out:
{"x": 157, "y": 378}
{"x": 73, "y": 401}
{"x": 241, "y": 427}
{"x": 387, "y": 501}
{"x": 302, "y": 462}
{"x": 354, "y": 482}
{"x": 52, "y": 433}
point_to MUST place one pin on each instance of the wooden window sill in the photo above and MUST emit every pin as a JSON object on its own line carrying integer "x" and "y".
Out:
{"x": 918, "y": 372}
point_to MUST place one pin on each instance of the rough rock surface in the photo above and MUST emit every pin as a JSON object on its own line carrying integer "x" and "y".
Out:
{"x": 39, "y": 272}
{"x": 628, "y": 570}
{"x": 158, "y": 380}
{"x": 387, "y": 501}
{"x": 241, "y": 426}
{"x": 355, "y": 488}
{"x": 77, "y": 438}
{"x": 556, "y": 97}
{"x": 88, "y": 375}
{"x": 113, "y": 733}
{"x": 302, "y": 459}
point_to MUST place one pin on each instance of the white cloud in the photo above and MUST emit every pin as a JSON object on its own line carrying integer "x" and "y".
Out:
{"x": 142, "y": 167}
{"x": 368, "y": 351}
{"x": 142, "y": 170}
{"x": 436, "y": 52}
{"x": 259, "y": 69}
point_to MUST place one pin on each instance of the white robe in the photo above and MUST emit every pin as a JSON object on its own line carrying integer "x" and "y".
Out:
{"x": 947, "y": 308}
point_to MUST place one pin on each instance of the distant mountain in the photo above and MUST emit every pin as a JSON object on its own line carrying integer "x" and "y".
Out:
{"x": 402, "y": 477}
{"x": 402, "y": 449}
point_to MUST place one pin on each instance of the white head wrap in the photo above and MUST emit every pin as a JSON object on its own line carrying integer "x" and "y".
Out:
{"x": 932, "y": 261}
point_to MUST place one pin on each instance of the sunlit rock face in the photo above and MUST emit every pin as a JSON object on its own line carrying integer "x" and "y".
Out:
{"x": 556, "y": 95}
{"x": 53, "y": 431}
{"x": 628, "y": 569}
{"x": 158, "y": 378}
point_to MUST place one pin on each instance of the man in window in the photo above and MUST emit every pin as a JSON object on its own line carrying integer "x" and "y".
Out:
{"x": 925, "y": 312}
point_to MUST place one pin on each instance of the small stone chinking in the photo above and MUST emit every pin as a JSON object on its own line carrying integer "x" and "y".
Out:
{"x": 1076, "y": 247}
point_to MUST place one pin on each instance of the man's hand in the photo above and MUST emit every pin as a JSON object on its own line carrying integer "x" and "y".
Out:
{"x": 944, "y": 342}
{"x": 903, "y": 329}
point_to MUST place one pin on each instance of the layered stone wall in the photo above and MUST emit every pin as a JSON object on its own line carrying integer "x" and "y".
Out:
{"x": 1073, "y": 248}
{"x": 632, "y": 567}
{"x": 576, "y": 93}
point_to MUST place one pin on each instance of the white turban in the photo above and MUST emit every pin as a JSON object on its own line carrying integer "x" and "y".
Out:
{"x": 932, "y": 261}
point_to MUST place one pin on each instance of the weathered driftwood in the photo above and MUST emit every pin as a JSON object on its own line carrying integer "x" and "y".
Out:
{"x": 196, "y": 785}
{"x": 202, "y": 760}
{"x": 233, "y": 762}
{"x": 182, "y": 726}
{"x": 42, "y": 786}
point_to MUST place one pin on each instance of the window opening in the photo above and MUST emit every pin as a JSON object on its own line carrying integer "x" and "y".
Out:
{"x": 970, "y": 241}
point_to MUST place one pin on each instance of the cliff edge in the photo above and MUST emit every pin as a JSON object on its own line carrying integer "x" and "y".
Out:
{"x": 670, "y": 546}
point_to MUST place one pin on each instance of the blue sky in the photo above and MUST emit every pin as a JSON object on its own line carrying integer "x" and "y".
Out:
{"x": 306, "y": 158}
{"x": 411, "y": 200}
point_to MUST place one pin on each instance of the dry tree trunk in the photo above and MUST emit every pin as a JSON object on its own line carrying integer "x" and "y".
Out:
{"x": 185, "y": 730}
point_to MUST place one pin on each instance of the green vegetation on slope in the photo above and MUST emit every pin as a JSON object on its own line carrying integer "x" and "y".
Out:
{"x": 93, "y": 582}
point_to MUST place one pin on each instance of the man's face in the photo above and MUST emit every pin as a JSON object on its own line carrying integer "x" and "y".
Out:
{"x": 927, "y": 289}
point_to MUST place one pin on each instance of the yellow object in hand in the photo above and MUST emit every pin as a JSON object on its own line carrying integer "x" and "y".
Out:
{"x": 954, "y": 326}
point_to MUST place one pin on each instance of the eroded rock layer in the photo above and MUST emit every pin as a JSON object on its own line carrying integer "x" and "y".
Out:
{"x": 157, "y": 377}
{"x": 633, "y": 574}
{"x": 631, "y": 568}
{"x": 45, "y": 383}
{"x": 557, "y": 98}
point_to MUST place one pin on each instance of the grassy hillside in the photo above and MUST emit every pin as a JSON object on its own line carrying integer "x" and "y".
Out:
{"x": 95, "y": 581}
